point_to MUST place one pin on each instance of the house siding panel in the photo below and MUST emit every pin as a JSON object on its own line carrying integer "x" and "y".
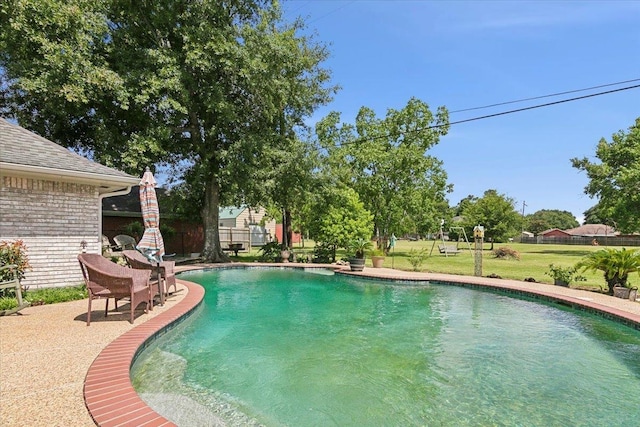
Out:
{"x": 52, "y": 218}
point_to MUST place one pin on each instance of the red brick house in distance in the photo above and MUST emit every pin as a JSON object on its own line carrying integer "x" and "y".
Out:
{"x": 587, "y": 230}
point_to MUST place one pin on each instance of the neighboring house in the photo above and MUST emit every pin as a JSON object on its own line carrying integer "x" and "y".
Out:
{"x": 119, "y": 211}
{"x": 50, "y": 198}
{"x": 592, "y": 230}
{"x": 243, "y": 217}
{"x": 554, "y": 232}
{"x": 261, "y": 229}
{"x": 587, "y": 230}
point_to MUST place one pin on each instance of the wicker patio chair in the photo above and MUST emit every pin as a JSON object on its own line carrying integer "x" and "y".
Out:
{"x": 124, "y": 242}
{"x": 106, "y": 279}
{"x": 167, "y": 269}
{"x": 107, "y": 247}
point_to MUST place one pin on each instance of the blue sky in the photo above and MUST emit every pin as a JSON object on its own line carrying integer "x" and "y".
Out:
{"x": 465, "y": 54}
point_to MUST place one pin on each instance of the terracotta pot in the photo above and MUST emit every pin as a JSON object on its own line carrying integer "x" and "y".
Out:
{"x": 377, "y": 261}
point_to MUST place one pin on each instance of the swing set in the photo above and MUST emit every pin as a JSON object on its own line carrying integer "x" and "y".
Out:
{"x": 450, "y": 248}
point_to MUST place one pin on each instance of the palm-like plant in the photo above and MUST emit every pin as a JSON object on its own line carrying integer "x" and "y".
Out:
{"x": 615, "y": 264}
{"x": 359, "y": 246}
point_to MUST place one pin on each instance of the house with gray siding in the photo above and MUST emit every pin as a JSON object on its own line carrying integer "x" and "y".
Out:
{"x": 51, "y": 199}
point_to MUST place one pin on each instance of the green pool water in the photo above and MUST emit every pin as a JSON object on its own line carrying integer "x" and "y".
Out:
{"x": 290, "y": 348}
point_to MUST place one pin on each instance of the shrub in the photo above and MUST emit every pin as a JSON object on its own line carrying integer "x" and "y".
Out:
{"x": 301, "y": 258}
{"x": 7, "y": 303}
{"x": 505, "y": 252}
{"x": 564, "y": 274}
{"x": 168, "y": 232}
{"x": 416, "y": 258}
{"x": 377, "y": 252}
{"x": 358, "y": 248}
{"x": 135, "y": 229}
{"x": 270, "y": 252}
{"x": 14, "y": 253}
{"x": 324, "y": 253}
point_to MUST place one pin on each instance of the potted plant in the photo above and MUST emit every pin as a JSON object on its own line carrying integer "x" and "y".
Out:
{"x": 616, "y": 265}
{"x": 377, "y": 258}
{"x": 358, "y": 248}
{"x": 285, "y": 254}
{"x": 563, "y": 276}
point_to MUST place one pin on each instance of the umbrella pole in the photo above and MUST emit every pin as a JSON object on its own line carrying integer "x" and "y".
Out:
{"x": 160, "y": 283}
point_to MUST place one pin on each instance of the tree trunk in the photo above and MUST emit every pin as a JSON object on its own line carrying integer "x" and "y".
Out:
{"x": 289, "y": 228}
{"x": 210, "y": 217}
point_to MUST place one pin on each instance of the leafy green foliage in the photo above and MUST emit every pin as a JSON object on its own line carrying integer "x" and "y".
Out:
{"x": 566, "y": 275}
{"x": 416, "y": 258}
{"x": 324, "y": 253}
{"x": 615, "y": 264}
{"x": 341, "y": 219}
{"x": 615, "y": 178}
{"x": 385, "y": 161}
{"x": 57, "y": 295}
{"x": 14, "y": 252}
{"x": 494, "y": 211}
{"x": 46, "y": 296}
{"x": 270, "y": 252}
{"x": 359, "y": 247}
{"x": 546, "y": 219}
{"x": 214, "y": 89}
{"x": 134, "y": 229}
{"x": 8, "y": 302}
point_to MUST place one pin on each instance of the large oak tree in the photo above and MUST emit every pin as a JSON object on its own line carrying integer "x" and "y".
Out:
{"x": 214, "y": 89}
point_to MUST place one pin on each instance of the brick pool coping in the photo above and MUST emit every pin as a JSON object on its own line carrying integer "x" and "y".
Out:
{"x": 112, "y": 401}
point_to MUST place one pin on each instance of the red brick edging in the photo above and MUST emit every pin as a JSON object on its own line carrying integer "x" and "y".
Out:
{"x": 108, "y": 392}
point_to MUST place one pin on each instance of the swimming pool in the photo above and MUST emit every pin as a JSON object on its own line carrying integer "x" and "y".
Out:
{"x": 280, "y": 347}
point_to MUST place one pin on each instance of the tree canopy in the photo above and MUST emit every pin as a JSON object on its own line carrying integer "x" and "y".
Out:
{"x": 615, "y": 178}
{"x": 385, "y": 161}
{"x": 340, "y": 218}
{"x": 213, "y": 88}
{"x": 496, "y": 212}
{"x": 546, "y": 219}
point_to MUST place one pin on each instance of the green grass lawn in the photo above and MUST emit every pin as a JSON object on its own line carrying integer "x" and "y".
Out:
{"x": 534, "y": 261}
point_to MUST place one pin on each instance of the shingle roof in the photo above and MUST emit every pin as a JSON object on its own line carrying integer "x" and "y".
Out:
{"x": 230, "y": 212}
{"x": 19, "y": 146}
{"x": 592, "y": 230}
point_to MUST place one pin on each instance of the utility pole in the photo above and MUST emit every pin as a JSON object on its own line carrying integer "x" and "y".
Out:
{"x": 522, "y": 233}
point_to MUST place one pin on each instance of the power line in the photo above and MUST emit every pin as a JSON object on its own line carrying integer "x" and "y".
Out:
{"x": 330, "y": 12}
{"x": 544, "y": 96}
{"x": 562, "y": 101}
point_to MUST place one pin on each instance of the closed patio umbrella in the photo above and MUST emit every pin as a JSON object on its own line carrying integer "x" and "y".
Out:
{"x": 151, "y": 244}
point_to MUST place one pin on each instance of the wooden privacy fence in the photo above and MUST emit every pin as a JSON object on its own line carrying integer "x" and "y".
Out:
{"x": 193, "y": 241}
{"x": 602, "y": 241}
{"x": 252, "y": 236}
